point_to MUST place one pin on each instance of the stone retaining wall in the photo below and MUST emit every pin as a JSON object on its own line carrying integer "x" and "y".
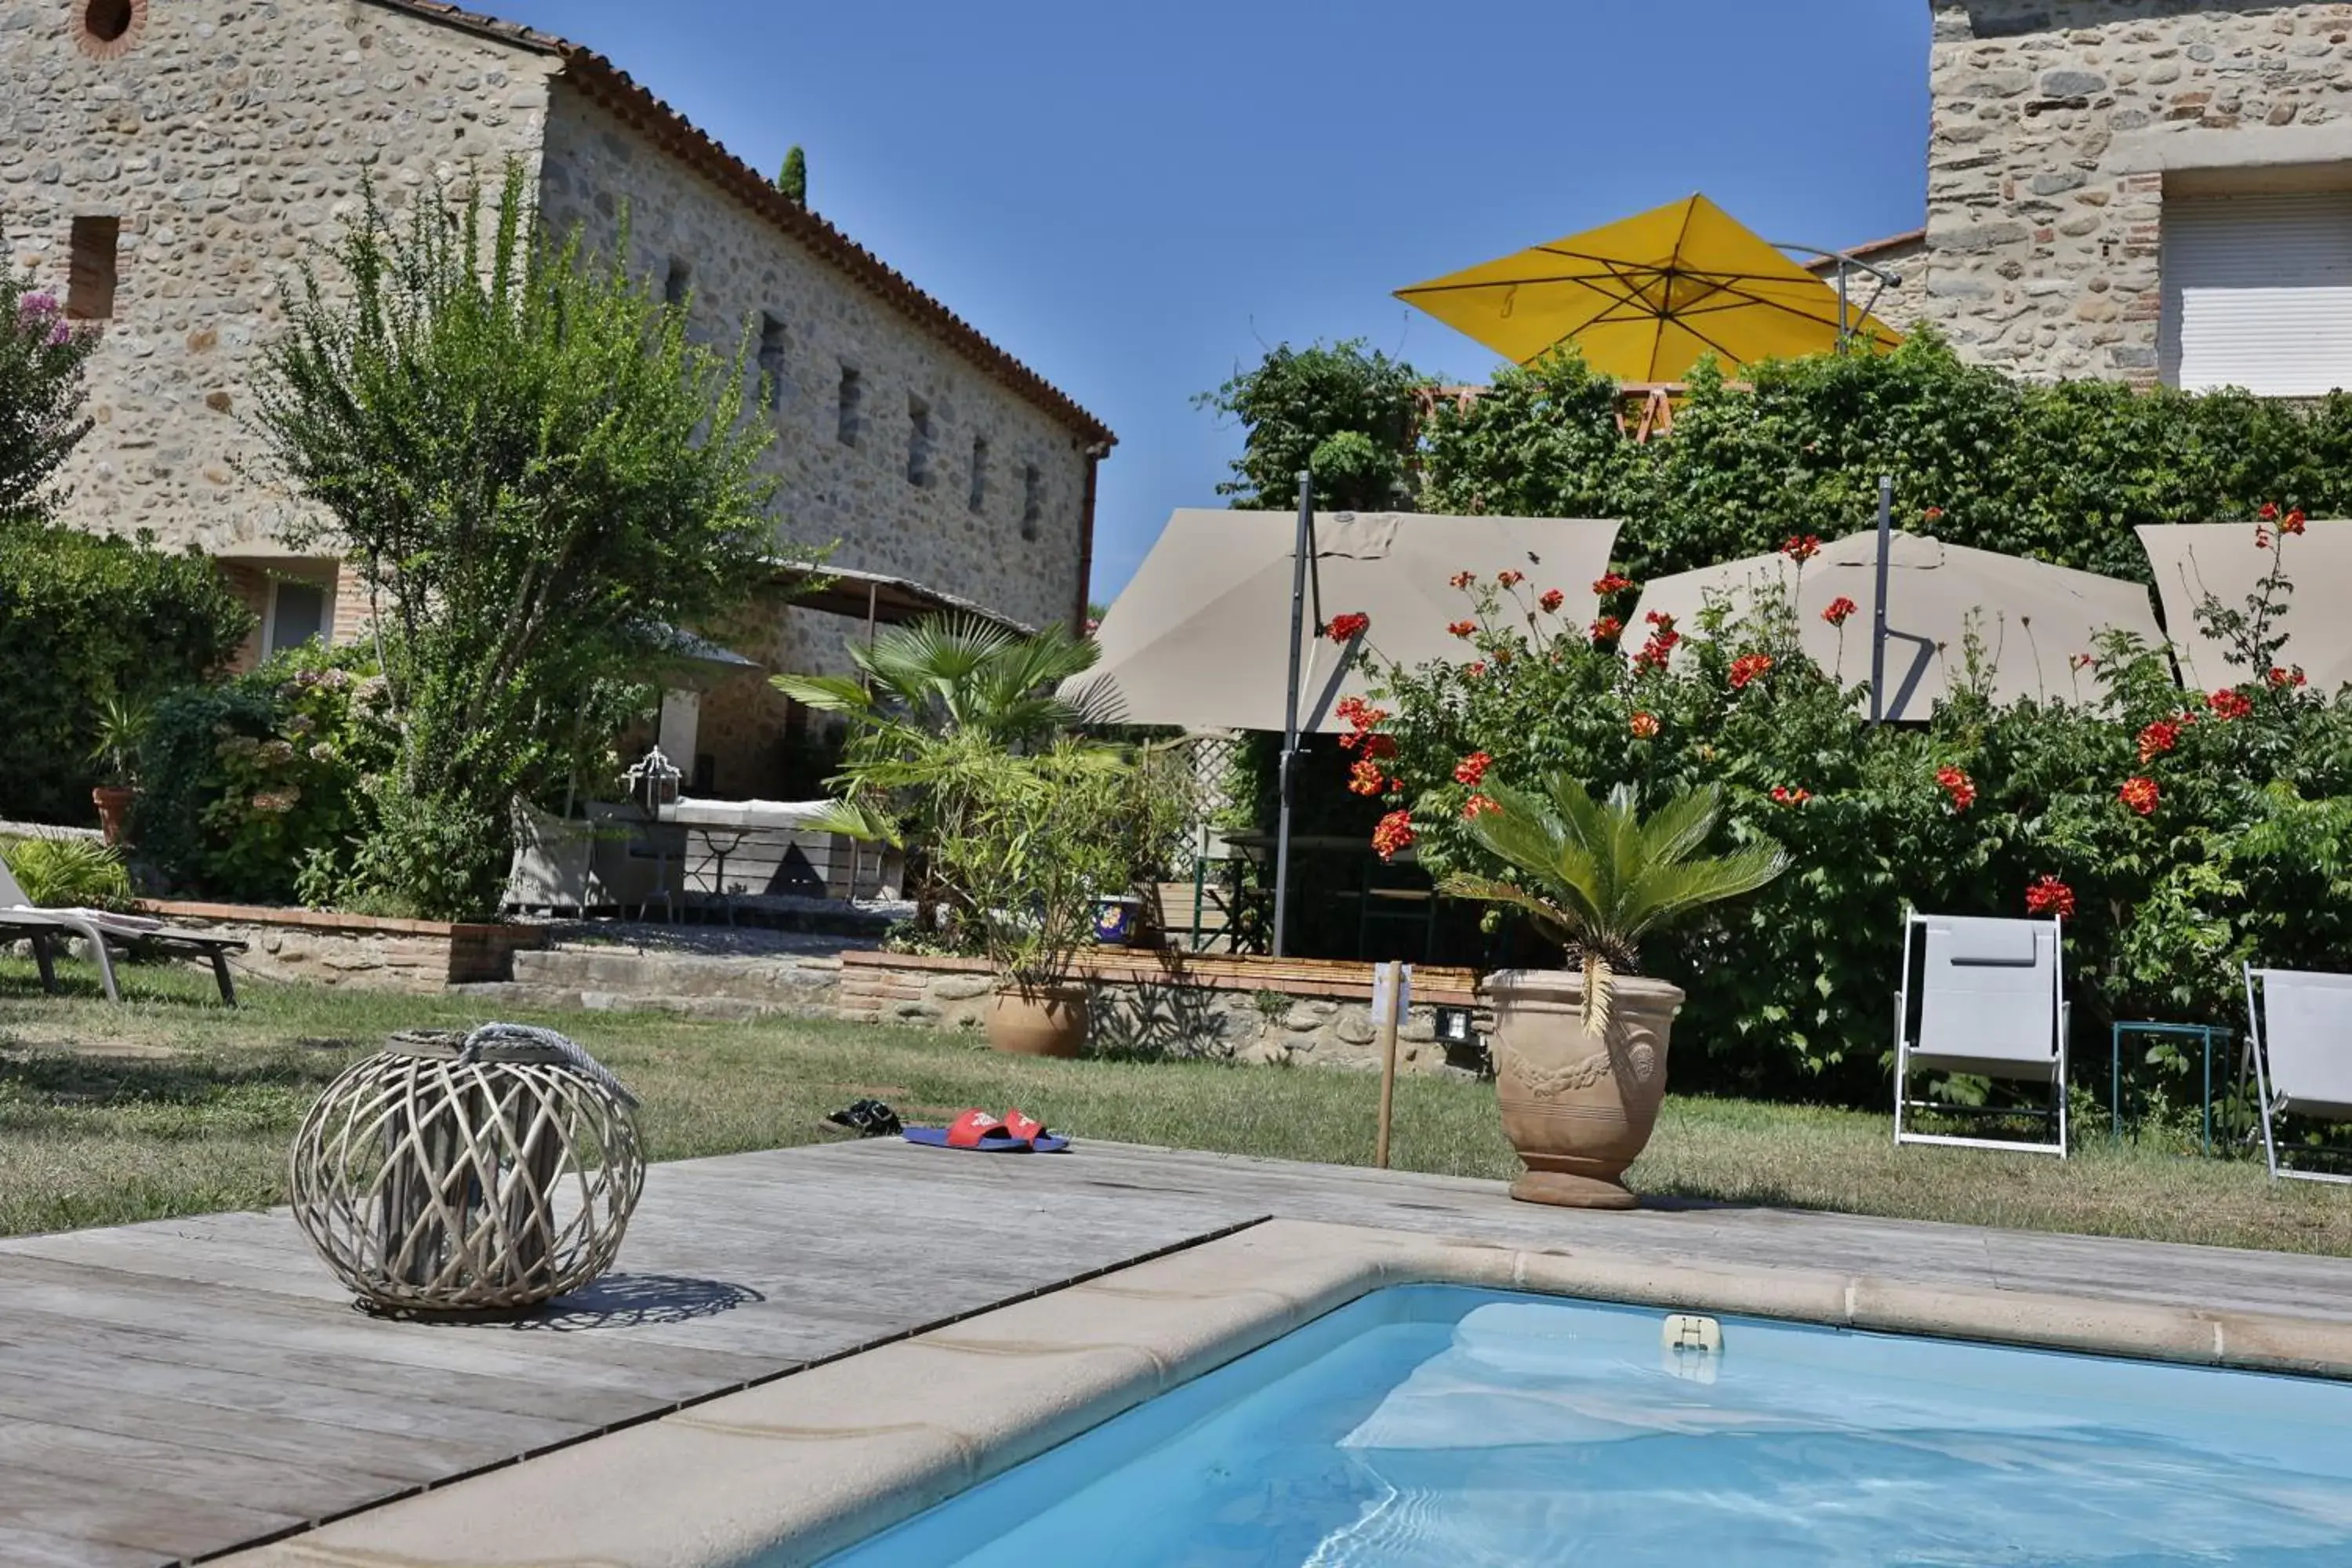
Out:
{"x": 1226, "y": 1009}
{"x": 358, "y": 953}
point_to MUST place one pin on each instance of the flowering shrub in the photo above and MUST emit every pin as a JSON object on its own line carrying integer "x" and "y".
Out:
{"x": 2178, "y": 836}
{"x": 255, "y": 789}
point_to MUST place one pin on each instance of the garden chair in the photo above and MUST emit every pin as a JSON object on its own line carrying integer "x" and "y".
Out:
{"x": 106, "y": 932}
{"x": 1992, "y": 1005}
{"x": 2300, "y": 1029}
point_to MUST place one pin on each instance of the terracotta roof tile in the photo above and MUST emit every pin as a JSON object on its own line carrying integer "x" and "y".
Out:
{"x": 616, "y": 91}
{"x": 1864, "y": 252}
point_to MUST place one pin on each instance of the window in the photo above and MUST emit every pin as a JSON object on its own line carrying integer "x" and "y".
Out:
{"x": 678, "y": 282}
{"x": 298, "y": 614}
{"x": 771, "y": 362}
{"x": 979, "y": 472}
{"x": 1032, "y": 500}
{"x": 853, "y": 394}
{"x": 2257, "y": 292}
{"x": 918, "y": 442}
{"x": 108, "y": 27}
{"x": 89, "y": 278}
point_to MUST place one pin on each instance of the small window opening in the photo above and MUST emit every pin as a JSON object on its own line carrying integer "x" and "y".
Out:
{"x": 1032, "y": 500}
{"x": 91, "y": 270}
{"x": 298, "y": 614}
{"x": 918, "y": 442}
{"x": 771, "y": 362}
{"x": 853, "y": 395}
{"x": 107, "y": 20}
{"x": 979, "y": 472}
{"x": 678, "y": 282}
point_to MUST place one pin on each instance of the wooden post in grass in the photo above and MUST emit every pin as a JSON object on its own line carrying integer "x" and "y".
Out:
{"x": 1392, "y": 985}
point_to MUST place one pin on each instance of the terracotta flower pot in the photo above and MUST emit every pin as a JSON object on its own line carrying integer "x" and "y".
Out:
{"x": 1578, "y": 1108}
{"x": 113, "y": 802}
{"x": 1038, "y": 1020}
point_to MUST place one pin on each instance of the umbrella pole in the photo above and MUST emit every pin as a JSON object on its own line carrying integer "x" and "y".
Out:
{"x": 1302, "y": 552}
{"x": 1878, "y": 615}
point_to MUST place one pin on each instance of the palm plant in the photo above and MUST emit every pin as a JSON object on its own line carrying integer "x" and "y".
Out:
{"x": 953, "y": 674}
{"x": 933, "y": 704}
{"x": 122, "y": 730}
{"x": 1598, "y": 877}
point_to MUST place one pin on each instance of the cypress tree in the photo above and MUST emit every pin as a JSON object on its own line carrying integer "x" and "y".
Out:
{"x": 793, "y": 181}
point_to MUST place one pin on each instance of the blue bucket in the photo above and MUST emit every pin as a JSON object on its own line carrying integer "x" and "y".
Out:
{"x": 1115, "y": 921}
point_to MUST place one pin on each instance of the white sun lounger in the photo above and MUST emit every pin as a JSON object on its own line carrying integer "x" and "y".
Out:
{"x": 106, "y": 931}
{"x": 2301, "y": 1030}
{"x": 1993, "y": 1003}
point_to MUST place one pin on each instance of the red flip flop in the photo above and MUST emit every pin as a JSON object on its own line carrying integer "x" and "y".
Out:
{"x": 1027, "y": 1128}
{"x": 971, "y": 1130}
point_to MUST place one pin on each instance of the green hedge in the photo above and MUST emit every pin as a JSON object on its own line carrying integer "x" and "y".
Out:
{"x": 82, "y": 619}
{"x": 2058, "y": 472}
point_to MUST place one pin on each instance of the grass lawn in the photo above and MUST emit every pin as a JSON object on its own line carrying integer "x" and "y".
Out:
{"x": 170, "y": 1104}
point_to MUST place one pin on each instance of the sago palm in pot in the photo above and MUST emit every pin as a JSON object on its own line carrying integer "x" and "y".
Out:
{"x": 1580, "y": 1055}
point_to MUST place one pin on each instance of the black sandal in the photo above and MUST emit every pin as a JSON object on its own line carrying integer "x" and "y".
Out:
{"x": 867, "y": 1118}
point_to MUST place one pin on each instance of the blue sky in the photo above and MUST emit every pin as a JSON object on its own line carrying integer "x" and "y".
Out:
{"x": 1136, "y": 198}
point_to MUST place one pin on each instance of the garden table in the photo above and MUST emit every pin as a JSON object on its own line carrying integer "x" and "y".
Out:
{"x": 2203, "y": 1033}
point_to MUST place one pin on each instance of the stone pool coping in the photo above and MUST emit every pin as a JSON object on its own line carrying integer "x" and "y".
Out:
{"x": 818, "y": 1459}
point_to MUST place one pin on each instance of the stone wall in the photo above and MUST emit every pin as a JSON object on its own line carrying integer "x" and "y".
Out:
{"x": 358, "y": 953}
{"x": 745, "y": 274}
{"x": 2059, "y": 125}
{"x": 1209, "y": 1008}
{"x": 227, "y": 136}
{"x": 1902, "y": 308}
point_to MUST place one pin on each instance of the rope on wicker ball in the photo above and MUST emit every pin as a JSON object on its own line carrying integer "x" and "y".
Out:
{"x": 590, "y": 1068}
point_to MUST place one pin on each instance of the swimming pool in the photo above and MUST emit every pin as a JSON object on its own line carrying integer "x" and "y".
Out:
{"x": 1436, "y": 1425}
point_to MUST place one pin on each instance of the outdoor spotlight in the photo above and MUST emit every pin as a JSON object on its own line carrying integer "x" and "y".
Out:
{"x": 1454, "y": 1026}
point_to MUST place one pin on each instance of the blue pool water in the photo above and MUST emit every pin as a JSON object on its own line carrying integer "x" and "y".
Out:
{"x": 1473, "y": 1429}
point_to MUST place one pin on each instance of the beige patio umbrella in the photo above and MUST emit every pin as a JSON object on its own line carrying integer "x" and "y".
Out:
{"x": 2222, "y": 558}
{"x": 2034, "y": 619}
{"x": 1199, "y": 640}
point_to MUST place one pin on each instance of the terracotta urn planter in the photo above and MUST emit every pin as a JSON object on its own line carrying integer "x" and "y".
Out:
{"x": 1578, "y": 1108}
{"x": 113, "y": 802}
{"x": 1038, "y": 1020}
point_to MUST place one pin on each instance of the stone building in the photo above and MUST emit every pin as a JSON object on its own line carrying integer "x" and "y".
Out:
{"x": 2156, "y": 191}
{"x": 166, "y": 163}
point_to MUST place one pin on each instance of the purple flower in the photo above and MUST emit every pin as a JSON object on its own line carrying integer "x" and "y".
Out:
{"x": 60, "y": 335}
{"x": 36, "y": 307}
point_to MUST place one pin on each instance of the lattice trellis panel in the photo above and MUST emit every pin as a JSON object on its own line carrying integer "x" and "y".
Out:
{"x": 434, "y": 1178}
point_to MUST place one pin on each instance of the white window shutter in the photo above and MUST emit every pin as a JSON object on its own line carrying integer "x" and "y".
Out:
{"x": 2258, "y": 293}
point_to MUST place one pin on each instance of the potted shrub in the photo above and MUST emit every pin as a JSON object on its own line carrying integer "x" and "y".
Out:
{"x": 1024, "y": 844}
{"x": 1158, "y": 812}
{"x": 121, "y": 727}
{"x": 1581, "y": 1053}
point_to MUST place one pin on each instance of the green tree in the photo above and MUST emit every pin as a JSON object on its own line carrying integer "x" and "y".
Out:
{"x": 41, "y": 396}
{"x": 792, "y": 179}
{"x": 1344, "y": 412}
{"x": 535, "y": 474}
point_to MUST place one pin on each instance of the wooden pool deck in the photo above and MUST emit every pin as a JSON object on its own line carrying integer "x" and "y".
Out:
{"x": 170, "y": 1390}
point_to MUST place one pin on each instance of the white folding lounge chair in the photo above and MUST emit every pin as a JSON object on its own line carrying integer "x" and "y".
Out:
{"x": 1993, "y": 1003}
{"x": 105, "y": 931}
{"x": 2300, "y": 1027}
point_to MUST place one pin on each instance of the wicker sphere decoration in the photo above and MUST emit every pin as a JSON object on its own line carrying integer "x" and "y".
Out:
{"x": 489, "y": 1170}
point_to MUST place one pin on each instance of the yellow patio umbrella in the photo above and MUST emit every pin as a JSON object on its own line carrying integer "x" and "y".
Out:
{"x": 1645, "y": 297}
